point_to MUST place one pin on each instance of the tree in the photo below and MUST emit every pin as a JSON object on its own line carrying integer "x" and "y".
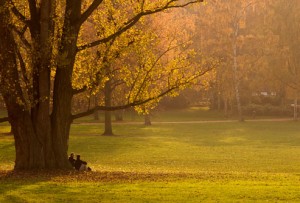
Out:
{"x": 41, "y": 44}
{"x": 284, "y": 21}
{"x": 150, "y": 50}
{"x": 231, "y": 39}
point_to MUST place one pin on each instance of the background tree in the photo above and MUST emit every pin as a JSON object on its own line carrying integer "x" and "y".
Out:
{"x": 229, "y": 35}
{"x": 284, "y": 58}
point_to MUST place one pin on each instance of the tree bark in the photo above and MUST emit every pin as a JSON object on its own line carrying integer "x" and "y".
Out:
{"x": 62, "y": 93}
{"x": 29, "y": 147}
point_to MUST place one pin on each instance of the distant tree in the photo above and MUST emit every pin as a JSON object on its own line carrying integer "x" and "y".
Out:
{"x": 284, "y": 57}
{"x": 229, "y": 35}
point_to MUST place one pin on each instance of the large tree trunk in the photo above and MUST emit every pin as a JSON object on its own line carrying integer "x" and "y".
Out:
{"x": 41, "y": 33}
{"x": 28, "y": 145}
{"x": 63, "y": 91}
{"x": 41, "y": 140}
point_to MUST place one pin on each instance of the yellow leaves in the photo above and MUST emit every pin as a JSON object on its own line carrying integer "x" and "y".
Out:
{"x": 145, "y": 61}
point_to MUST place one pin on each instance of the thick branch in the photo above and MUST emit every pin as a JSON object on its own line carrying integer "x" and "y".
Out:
{"x": 125, "y": 106}
{"x": 5, "y": 119}
{"x": 33, "y": 25}
{"x": 78, "y": 91}
{"x": 153, "y": 66}
{"x": 21, "y": 35}
{"x": 89, "y": 11}
{"x": 17, "y": 13}
{"x": 140, "y": 102}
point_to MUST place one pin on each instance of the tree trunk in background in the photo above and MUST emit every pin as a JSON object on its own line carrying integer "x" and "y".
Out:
{"x": 119, "y": 115}
{"x": 296, "y": 106}
{"x": 226, "y": 107}
{"x": 107, "y": 114}
{"x": 236, "y": 75}
{"x": 96, "y": 115}
{"x": 147, "y": 120}
{"x": 96, "y": 112}
{"x": 219, "y": 101}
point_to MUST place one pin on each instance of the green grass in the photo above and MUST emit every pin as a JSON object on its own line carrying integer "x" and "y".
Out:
{"x": 206, "y": 189}
{"x": 226, "y": 147}
{"x": 204, "y": 162}
{"x": 190, "y": 114}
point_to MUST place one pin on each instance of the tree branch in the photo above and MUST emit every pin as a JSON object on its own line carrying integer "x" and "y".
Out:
{"x": 125, "y": 106}
{"x": 89, "y": 11}
{"x": 17, "y": 13}
{"x": 140, "y": 102}
{"x": 21, "y": 35}
{"x": 131, "y": 22}
{"x": 4, "y": 119}
{"x": 78, "y": 91}
{"x": 33, "y": 24}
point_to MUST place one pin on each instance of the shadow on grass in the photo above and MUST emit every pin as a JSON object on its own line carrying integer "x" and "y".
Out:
{"x": 15, "y": 184}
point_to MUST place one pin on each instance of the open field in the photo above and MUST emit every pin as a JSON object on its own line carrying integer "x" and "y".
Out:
{"x": 195, "y": 162}
{"x": 190, "y": 114}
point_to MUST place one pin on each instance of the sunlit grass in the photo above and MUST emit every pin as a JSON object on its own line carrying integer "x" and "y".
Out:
{"x": 190, "y": 114}
{"x": 210, "y": 162}
{"x": 226, "y": 147}
{"x": 207, "y": 189}
{"x": 180, "y": 115}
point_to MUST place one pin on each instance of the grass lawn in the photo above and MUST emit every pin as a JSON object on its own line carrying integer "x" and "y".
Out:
{"x": 190, "y": 114}
{"x": 204, "y": 162}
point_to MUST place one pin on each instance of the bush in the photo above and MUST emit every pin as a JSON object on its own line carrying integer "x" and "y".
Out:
{"x": 267, "y": 110}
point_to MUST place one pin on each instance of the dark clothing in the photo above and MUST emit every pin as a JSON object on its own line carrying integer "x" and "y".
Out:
{"x": 72, "y": 161}
{"x": 78, "y": 164}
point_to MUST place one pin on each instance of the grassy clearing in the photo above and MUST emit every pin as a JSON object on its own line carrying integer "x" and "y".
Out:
{"x": 209, "y": 162}
{"x": 190, "y": 114}
{"x": 226, "y": 147}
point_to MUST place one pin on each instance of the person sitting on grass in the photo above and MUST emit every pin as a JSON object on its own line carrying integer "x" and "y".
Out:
{"x": 72, "y": 160}
{"x": 81, "y": 165}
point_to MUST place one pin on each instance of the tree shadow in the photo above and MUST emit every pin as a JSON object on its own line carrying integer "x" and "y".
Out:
{"x": 16, "y": 184}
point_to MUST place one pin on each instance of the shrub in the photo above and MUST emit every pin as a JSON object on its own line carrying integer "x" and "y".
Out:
{"x": 267, "y": 110}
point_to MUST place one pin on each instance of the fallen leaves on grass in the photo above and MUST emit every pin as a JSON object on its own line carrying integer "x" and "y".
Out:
{"x": 119, "y": 176}
{"x": 76, "y": 176}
